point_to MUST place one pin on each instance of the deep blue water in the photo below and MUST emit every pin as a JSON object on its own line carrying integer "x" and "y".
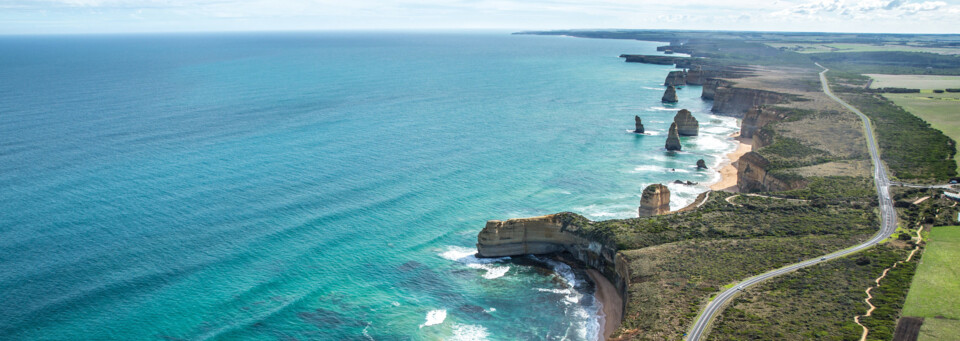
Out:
{"x": 316, "y": 186}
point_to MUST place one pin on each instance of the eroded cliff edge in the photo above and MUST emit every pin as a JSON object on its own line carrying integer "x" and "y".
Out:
{"x": 556, "y": 233}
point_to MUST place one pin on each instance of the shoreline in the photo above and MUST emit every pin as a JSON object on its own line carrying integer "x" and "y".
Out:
{"x": 611, "y": 310}
{"x": 728, "y": 168}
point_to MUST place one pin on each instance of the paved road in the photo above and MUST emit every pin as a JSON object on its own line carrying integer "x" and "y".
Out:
{"x": 887, "y": 216}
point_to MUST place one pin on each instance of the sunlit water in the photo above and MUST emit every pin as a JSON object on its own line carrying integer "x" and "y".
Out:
{"x": 317, "y": 186}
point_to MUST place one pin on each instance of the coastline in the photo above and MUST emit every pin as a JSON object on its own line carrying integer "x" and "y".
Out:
{"x": 728, "y": 169}
{"x": 612, "y": 304}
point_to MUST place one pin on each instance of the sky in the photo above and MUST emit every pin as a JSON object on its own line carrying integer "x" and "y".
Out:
{"x": 132, "y": 16}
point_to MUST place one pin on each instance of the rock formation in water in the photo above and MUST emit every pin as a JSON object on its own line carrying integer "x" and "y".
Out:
{"x": 639, "y": 125}
{"x": 673, "y": 138}
{"x": 687, "y": 125}
{"x": 670, "y": 96}
{"x": 556, "y": 233}
{"x": 676, "y": 78}
{"x": 647, "y": 59}
{"x": 701, "y": 164}
{"x": 655, "y": 200}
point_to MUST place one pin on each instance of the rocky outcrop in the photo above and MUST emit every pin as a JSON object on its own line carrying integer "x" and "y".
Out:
{"x": 673, "y": 138}
{"x": 687, "y": 125}
{"x": 639, "y": 125}
{"x": 756, "y": 118}
{"x": 676, "y": 78}
{"x": 733, "y": 101}
{"x": 701, "y": 164}
{"x": 555, "y": 233}
{"x": 655, "y": 200}
{"x": 696, "y": 76}
{"x": 752, "y": 176}
{"x": 658, "y": 60}
{"x": 670, "y": 96}
{"x": 710, "y": 87}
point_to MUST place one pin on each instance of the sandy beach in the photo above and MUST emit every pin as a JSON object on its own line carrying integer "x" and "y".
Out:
{"x": 728, "y": 169}
{"x": 612, "y": 302}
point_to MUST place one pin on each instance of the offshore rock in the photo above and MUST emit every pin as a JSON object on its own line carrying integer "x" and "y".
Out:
{"x": 687, "y": 125}
{"x": 673, "y": 138}
{"x": 701, "y": 164}
{"x": 639, "y": 124}
{"x": 670, "y": 96}
{"x": 655, "y": 200}
{"x": 676, "y": 78}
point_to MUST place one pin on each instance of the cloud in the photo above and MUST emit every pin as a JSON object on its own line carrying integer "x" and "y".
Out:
{"x": 860, "y": 9}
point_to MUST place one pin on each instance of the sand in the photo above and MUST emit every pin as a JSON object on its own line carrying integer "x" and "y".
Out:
{"x": 612, "y": 302}
{"x": 728, "y": 169}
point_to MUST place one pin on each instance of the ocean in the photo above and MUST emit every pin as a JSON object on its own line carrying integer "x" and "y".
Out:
{"x": 325, "y": 186}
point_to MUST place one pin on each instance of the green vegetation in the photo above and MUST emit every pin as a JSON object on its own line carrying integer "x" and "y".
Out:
{"x": 843, "y": 48}
{"x": 937, "y": 329}
{"x": 942, "y": 111}
{"x": 788, "y": 152}
{"x": 900, "y": 63}
{"x": 818, "y": 302}
{"x": 914, "y": 81}
{"x": 672, "y": 282}
{"x": 888, "y": 299}
{"x": 912, "y": 149}
{"x": 936, "y": 289}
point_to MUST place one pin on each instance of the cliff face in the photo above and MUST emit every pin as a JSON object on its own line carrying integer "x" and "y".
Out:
{"x": 639, "y": 124}
{"x": 696, "y": 76}
{"x": 673, "y": 138}
{"x": 655, "y": 200}
{"x": 756, "y": 118}
{"x": 710, "y": 87}
{"x": 687, "y": 125}
{"x": 752, "y": 176}
{"x": 735, "y": 101}
{"x": 658, "y": 60}
{"x": 550, "y": 234}
{"x": 670, "y": 96}
{"x": 676, "y": 78}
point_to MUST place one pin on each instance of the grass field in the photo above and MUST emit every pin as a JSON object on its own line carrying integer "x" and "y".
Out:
{"x": 935, "y": 329}
{"x": 914, "y": 81}
{"x": 837, "y": 47}
{"x": 935, "y": 290}
{"x": 942, "y": 111}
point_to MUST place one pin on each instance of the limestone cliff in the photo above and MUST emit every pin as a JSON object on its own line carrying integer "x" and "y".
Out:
{"x": 670, "y": 96}
{"x": 756, "y": 118}
{"x": 646, "y": 59}
{"x": 639, "y": 125}
{"x": 676, "y": 78}
{"x": 710, "y": 87}
{"x": 752, "y": 176}
{"x": 696, "y": 76}
{"x": 673, "y": 138}
{"x": 555, "y": 233}
{"x": 655, "y": 200}
{"x": 734, "y": 101}
{"x": 687, "y": 125}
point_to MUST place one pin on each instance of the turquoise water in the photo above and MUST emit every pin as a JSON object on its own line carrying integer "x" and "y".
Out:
{"x": 316, "y": 186}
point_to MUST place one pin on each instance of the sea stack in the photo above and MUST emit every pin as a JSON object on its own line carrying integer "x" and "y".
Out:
{"x": 701, "y": 164}
{"x": 639, "y": 128}
{"x": 670, "y": 96}
{"x": 655, "y": 200}
{"x": 673, "y": 138}
{"x": 687, "y": 125}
